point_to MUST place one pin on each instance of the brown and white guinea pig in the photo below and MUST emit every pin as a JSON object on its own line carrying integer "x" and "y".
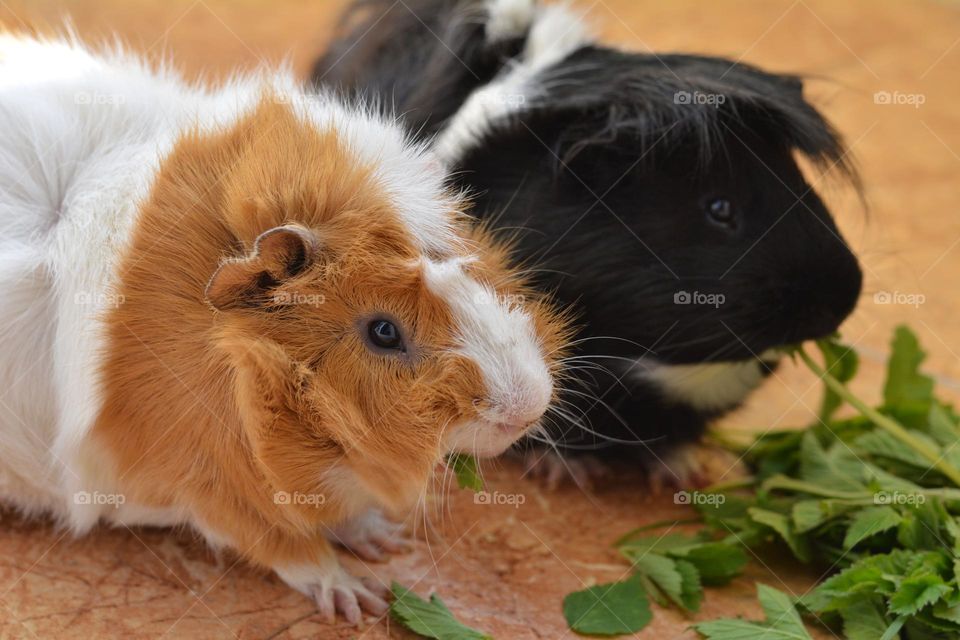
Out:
{"x": 659, "y": 193}
{"x": 242, "y": 309}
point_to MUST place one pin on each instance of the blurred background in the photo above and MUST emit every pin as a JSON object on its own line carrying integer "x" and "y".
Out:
{"x": 886, "y": 72}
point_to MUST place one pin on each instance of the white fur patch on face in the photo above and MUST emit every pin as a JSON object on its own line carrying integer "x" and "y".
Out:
{"x": 498, "y": 335}
{"x": 508, "y": 19}
{"x": 557, "y": 32}
{"x": 712, "y": 386}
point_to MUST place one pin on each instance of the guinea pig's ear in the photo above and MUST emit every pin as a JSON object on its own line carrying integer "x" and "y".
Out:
{"x": 277, "y": 255}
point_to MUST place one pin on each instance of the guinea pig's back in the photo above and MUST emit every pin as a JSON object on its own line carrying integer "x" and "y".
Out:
{"x": 78, "y": 156}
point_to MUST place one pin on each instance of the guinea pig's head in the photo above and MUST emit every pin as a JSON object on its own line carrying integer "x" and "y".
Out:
{"x": 681, "y": 219}
{"x": 371, "y": 330}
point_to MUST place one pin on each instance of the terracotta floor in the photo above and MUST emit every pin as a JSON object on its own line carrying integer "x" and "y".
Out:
{"x": 501, "y": 568}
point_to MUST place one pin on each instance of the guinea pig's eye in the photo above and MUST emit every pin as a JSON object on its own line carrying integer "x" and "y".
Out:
{"x": 385, "y": 335}
{"x": 720, "y": 211}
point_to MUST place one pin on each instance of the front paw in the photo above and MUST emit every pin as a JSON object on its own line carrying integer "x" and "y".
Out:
{"x": 370, "y": 536}
{"x": 553, "y": 470}
{"x": 691, "y": 466}
{"x": 337, "y": 592}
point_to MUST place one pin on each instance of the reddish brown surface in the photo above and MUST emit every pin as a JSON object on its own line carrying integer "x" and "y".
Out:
{"x": 506, "y": 569}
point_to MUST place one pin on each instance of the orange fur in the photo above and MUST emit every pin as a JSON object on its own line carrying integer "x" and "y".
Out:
{"x": 214, "y": 409}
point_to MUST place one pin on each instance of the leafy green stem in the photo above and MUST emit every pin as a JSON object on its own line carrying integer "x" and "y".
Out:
{"x": 886, "y": 423}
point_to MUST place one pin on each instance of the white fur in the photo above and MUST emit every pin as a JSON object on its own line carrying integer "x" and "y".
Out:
{"x": 508, "y": 19}
{"x": 408, "y": 172}
{"x": 712, "y": 386}
{"x": 499, "y": 336}
{"x": 557, "y": 32}
{"x": 83, "y": 136}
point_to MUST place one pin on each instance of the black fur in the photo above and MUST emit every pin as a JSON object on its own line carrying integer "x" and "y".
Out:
{"x": 606, "y": 170}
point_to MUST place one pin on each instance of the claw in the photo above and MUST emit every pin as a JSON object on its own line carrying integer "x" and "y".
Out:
{"x": 553, "y": 470}
{"x": 336, "y": 592}
{"x": 371, "y": 536}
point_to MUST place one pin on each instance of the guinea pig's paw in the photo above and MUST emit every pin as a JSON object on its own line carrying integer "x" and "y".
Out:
{"x": 337, "y": 592}
{"x": 553, "y": 469}
{"x": 371, "y": 536}
{"x": 690, "y": 466}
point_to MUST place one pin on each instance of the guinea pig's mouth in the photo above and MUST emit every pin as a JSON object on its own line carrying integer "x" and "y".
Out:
{"x": 485, "y": 438}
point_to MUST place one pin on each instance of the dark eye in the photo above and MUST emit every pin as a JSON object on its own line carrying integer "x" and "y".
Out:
{"x": 721, "y": 211}
{"x": 384, "y": 334}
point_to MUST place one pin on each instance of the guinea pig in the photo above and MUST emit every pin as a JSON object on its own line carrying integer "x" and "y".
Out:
{"x": 246, "y": 310}
{"x": 660, "y": 193}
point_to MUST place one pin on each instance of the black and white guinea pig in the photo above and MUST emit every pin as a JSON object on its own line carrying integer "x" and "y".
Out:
{"x": 660, "y": 193}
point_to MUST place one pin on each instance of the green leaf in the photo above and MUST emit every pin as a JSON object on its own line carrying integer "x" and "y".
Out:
{"x": 784, "y": 527}
{"x": 869, "y": 522}
{"x": 608, "y": 609}
{"x": 663, "y": 572}
{"x": 836, "y": 470}
{"x": 678, "y": 579}
{"x": 429, "y": 619}
{"x": 691, "y": 590}
{"x": 842, "y": 363}
{"x": 916, "y": 592}
{"x": 942, "y": 428}
{"x": 782, "y": 621}
{"x": 467, "y": 471}
{"x": 947, "y": 611}
{"x": 807, "y": 515}
{"x": 906, "y": 388}
{"x": 884, "y": 444}
{"x": 873, "y": 575}
{"x": 920, "y": 527}
{"x": 779, "y": 609}
{"x": 863, "y": 620}
{"x": 717, "y": 562}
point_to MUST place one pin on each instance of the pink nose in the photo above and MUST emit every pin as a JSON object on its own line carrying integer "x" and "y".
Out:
{"x": 517, "y": 418}
{"x": 514, "y": 426}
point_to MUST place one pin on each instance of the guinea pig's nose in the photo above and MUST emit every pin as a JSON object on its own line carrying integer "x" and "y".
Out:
{"x": 519, "y": 417}
{"x": 515, "y": 425}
